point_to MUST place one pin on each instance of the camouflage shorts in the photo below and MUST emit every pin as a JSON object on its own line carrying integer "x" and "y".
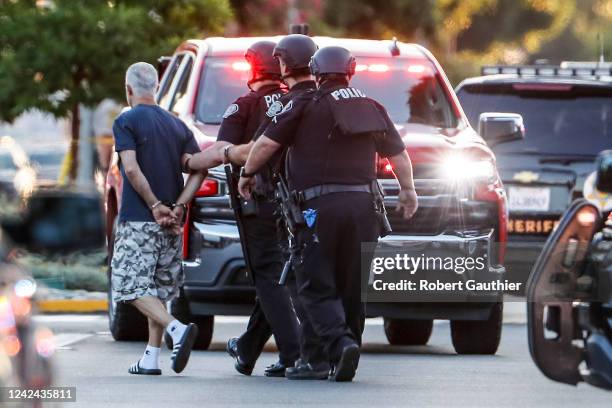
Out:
{"x": 147, "y": 261}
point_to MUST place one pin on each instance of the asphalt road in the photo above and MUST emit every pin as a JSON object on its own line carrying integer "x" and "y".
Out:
{"x": 427, "y": 376}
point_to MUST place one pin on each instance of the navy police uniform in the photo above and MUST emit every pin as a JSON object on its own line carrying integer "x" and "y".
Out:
{"x": 333, "y": 136}
{"x": 273, "y": 312}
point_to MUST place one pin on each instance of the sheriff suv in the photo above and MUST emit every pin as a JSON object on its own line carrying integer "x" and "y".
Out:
{"x": 567, "y": 111}
{"x": 461, "y": 197}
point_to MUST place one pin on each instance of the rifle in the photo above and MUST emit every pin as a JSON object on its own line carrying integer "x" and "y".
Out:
{"x": 294, "y": 221}
{"x": 236, "y": 204}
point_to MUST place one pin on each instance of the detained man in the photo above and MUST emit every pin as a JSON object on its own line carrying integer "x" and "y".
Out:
{"x": 147, "y": 265}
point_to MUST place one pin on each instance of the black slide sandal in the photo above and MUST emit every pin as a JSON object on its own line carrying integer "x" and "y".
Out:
{"x": 137, "y": 369}
{"x": 182, "y": 350}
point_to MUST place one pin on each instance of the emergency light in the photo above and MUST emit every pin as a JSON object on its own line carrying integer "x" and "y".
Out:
{"x": 241, "y": 66}
{"x": 588, "y": 70}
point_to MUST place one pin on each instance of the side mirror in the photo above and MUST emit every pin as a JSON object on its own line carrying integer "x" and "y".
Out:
{"x": 496, "y": 128}
{"x": 58, "y": 221}
{"x": 603, "y": 180}
{"x": 162, "y": 64}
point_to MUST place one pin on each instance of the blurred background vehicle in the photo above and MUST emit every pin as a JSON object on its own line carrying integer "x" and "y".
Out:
{"x": 47, "y": 164}
{"x": 204, "y": 76}
{"x": 46, "y": 223}
{"x": 17, "y": 174}
{"x": 570, "y": 293}
{"x": 567, "y": 112}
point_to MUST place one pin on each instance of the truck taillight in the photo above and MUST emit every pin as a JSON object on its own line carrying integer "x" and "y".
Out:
{"x": 208, "y": 188}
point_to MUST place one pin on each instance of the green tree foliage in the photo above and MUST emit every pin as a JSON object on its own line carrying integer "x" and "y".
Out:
{"x": 73, "y": 52}
{"x": 463, "y": 34}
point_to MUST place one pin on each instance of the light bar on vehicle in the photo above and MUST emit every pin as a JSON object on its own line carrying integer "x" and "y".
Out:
{"x": 601, "y": 71}
{"x": 413, "y": 69}
{"x": 378, "y": 68}
{"x": 241, "y": 66}
{"x": 416, "y": 69}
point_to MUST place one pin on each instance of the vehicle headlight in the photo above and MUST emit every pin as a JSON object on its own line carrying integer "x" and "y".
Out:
{"x": 462, "y": 168}
{"x": 603, "y": 200}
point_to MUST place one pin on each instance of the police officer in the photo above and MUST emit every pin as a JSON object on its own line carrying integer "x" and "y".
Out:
{"x": 294, "y": 53}
{"x": 273, "y": 312}
{"x": 333, "y": 140}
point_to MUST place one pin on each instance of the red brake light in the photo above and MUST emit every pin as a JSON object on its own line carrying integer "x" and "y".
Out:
{"x": 241, "y": 66}
{"x": 388, "y": 168}
{"x": 208, "y": 188}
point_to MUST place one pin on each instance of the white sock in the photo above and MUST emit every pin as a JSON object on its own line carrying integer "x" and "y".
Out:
{"x": 176, "y": 329}
{"x": 150, "y": 358}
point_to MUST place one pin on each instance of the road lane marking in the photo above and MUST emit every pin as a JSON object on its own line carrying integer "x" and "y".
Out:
{"x": 63, "y": 340}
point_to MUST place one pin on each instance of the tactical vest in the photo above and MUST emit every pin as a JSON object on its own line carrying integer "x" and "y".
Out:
{"x": 354, "y": 113}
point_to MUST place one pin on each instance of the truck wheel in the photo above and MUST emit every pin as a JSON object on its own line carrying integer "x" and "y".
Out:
{"x": 125, "y": 322}
{"x": 478, "y": 337}
{"x": 179, "y": 309}
{"x": 408, "y": 332}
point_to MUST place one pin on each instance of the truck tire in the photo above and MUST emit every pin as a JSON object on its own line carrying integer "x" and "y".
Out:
{"x": 179, "y": 309}
{"x": 478, "y": 337}
{"x": 125, "y": 322}
{"x": 408, "y": 332}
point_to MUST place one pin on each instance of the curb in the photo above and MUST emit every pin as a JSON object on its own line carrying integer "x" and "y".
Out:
{"x": 72, "y": 305}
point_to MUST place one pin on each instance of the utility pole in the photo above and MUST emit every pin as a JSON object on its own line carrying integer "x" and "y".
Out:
{"x": 602, "y": 58}
{"x": 85, "y": 151}
{"x": 293, "y": 13}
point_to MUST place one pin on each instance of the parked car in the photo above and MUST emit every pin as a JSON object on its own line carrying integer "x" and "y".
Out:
{"x": 204, "y": 76}
{"x": 570, "y": 293}
{"x": 567, "y": 111}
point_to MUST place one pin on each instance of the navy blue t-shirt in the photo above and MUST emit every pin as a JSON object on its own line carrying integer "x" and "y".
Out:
{"x": 160, "y": 140}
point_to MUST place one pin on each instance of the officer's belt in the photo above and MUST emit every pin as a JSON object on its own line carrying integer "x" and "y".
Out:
{"x": 323, "y": 189}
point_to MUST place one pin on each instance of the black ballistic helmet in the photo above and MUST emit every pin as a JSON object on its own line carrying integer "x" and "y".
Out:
{"x": 332, "y": 60}
{"x": 295, "y": 50}
{"x": 263, "y": 64}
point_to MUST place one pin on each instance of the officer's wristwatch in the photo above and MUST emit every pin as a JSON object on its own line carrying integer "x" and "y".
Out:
{"x": 244, "y": 174}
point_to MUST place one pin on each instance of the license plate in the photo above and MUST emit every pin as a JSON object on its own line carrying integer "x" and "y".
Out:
{"x": 528, "y": 198}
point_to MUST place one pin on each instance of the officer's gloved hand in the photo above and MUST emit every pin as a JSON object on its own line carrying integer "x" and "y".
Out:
{"x": 407, "y": 203}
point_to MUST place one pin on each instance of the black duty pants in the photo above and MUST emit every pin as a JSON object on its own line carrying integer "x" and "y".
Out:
{"x": 328, "y": 278}
{"x": 273, "y": 312}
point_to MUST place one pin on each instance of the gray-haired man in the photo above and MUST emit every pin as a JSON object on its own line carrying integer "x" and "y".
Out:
{"x": 146, "y": 264}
